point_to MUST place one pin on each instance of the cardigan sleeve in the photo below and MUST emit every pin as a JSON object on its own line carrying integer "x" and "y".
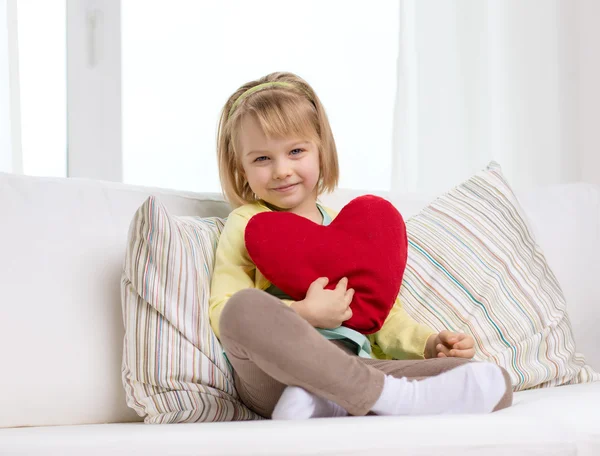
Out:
{"x": 400, "y": 337}
{"x": 233, "y": 270}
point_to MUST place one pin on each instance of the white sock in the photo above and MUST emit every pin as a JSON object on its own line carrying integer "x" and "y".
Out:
{"x": 476, "y": 387}
{"x": 298, "y": 404}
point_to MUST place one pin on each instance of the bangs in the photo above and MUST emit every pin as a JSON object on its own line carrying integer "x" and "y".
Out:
{"x": 282, "y": 115}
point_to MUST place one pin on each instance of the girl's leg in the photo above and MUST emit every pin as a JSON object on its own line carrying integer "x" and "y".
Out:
{"x": 270, "y": 346}
{"x": 423, "y": 368}
{"x": 296, "y": 403}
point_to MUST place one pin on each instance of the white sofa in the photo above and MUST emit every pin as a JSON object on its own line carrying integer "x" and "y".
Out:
{"x": 61, "y": 252}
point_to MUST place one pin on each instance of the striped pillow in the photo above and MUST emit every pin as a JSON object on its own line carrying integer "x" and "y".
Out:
{"x": 474, "y": 267}
{"x": 173, "y": 370}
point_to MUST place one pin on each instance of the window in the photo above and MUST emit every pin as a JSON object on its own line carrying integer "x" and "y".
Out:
{"x": 181, "y": 60}
{"x": 42, "y": 80}
{"x": 148, "y": 98}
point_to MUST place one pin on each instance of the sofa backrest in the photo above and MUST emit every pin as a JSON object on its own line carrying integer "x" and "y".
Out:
{"x": 566, "y": 222}
{"x": 62, "y": 243}
{"x": 61, "y": 253}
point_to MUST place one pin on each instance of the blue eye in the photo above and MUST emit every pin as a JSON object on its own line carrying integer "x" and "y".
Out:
{"x": 259, "y": 159}
{"x": 299, "y": 151}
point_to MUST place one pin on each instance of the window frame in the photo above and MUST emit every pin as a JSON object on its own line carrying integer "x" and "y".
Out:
{"x": 94, "y": 128}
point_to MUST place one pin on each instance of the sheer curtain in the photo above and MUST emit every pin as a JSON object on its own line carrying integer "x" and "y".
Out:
{"x": 502, "y": 80}
{"x": 420, "y": 94}
{"x": 10, "y": 150}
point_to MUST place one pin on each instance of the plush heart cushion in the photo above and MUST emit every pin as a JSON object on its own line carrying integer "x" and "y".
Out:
{"x": 366, "y": 243}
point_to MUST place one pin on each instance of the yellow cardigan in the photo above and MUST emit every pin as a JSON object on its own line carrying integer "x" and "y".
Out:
{"x": 400, "y": 337}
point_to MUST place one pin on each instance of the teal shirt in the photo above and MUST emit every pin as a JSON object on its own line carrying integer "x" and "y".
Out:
{"x": 356, "y": 341}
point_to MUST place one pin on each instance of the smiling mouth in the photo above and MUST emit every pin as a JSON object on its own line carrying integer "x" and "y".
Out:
{"x": 287, "y": 187}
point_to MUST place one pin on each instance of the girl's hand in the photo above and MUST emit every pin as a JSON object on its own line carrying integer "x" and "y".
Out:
{"x": 326, "y": 309}
{"x": 450, "y": 344}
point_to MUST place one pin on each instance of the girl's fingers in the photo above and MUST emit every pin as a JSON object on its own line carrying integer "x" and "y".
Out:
{"x": 321, "y": 283}
{"x": 441, "y": 348}
{"x": 445, "y": 336}
{"x": 342, "y": 284}
{"x": 463, "y": 353}
{"x": 463, "y": 345}
{"x": 348, "y": 296}
{"x": 347, "y": 314}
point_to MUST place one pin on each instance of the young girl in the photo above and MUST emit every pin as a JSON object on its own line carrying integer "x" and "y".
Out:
{"x": 292, "y": 360}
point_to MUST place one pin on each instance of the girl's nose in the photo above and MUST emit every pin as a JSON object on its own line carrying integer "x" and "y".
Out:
{"x": 282, "y": 170}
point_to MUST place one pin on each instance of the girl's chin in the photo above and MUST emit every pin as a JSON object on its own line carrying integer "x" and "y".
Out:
{"x": 277, "y": 204}
{"x": 284, "y": 204}
{"x": 285, "y": 200}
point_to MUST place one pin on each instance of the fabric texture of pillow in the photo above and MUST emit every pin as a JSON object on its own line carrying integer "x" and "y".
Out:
{"x": 173, "y": 369}
{"x": 474, "y": 267}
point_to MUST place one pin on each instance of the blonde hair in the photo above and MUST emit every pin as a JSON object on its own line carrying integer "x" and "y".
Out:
{"x": 281, "y": 111}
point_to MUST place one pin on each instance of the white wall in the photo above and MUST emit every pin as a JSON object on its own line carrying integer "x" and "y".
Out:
{"x": 5, "y": 143}
{"x": 10, "y": 138}
{"x": 588, "y": 20}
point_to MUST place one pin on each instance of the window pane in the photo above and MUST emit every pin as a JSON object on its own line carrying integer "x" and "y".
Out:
{"x": 182, "y": 58}
{"x": 42, "y": 80}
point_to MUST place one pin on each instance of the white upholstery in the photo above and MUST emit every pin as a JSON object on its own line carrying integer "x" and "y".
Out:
{"x": 62, "y": 243}
{"x": 557, "y": 421}
{"x": 566, "y": 223}
{"x": 61, "y": 333}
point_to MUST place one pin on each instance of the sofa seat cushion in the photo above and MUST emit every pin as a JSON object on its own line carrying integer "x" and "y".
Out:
{"x": 550, "y": 421}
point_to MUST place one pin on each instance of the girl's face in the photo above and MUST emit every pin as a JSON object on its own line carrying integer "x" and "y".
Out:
{"x": 283, "y": 172}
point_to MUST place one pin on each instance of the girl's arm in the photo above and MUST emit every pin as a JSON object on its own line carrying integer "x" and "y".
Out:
{"x": 233, "y": 270}
{"x": 402, "y": 337}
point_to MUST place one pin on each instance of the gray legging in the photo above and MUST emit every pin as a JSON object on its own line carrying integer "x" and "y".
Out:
{"x": 270, "y": 346}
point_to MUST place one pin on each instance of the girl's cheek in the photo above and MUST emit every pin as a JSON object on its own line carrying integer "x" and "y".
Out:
{"x": 264, "y": 174}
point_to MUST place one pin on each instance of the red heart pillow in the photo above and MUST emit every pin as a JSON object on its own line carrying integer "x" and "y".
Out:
{"x": 366, "y": 243}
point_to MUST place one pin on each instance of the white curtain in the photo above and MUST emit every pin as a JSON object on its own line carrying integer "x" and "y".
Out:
{"x": 482, "y": 80}
{"x": 10, "y": 159}
{"x": 509, "y": 80}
